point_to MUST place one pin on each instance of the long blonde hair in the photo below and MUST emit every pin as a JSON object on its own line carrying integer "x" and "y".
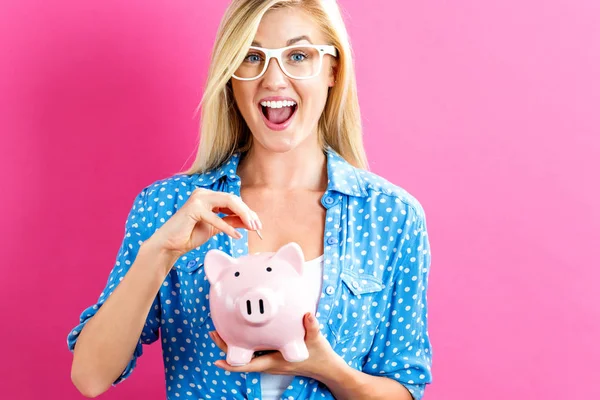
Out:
{"x": 223, "y": 130}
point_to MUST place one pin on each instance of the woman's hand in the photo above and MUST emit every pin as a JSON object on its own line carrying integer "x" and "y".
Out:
{"x": 321, "y": 358}
{"x": 197, "y": 221}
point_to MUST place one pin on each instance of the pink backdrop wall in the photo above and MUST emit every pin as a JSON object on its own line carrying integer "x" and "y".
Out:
{"x": 488, "y": 112}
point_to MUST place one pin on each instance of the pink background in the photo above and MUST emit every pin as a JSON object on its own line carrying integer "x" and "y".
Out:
{"x": 488, "y": 112}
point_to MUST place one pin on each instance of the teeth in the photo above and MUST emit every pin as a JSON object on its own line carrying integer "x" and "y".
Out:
{"x": 278, "y": 104}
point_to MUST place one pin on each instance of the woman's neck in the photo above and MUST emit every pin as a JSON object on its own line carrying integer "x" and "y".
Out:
{"x": 303, "y": 168}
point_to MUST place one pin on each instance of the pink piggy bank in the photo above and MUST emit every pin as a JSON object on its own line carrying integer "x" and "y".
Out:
{"x": 257, "y": 302}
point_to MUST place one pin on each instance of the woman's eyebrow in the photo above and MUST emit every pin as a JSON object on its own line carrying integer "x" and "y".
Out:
{"x": 289, "y": 42}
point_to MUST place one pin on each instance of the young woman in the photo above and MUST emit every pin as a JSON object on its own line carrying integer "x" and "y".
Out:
{"x": 280, "y": 160}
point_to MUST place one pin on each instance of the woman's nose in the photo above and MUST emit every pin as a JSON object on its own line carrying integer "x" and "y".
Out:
{"x": 274, "y": 77}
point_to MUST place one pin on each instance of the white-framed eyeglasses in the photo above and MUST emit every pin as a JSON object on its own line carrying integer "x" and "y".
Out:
{"x": 301, "y": 61}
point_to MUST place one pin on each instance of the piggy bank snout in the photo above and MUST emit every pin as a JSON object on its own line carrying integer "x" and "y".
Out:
{"x": 257, "y": 306}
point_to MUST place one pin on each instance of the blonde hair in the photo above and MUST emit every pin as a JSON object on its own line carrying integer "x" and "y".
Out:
{"x": 223, "y": 130}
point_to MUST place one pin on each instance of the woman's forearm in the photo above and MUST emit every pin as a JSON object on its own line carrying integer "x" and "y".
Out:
{"x": 108, "y": 340}
{"x": 346, "y": 383}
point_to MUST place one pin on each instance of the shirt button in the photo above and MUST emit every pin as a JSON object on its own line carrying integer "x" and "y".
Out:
{"x": 355, "y": 285}
{"x": 331, "y": 240}
{"x": 191, "y": 263}
{"x": 329, "y": 200}
{"x": 330, "y": 290}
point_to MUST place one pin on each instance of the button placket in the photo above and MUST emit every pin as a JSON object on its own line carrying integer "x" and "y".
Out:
{"x": 332, "y": 265}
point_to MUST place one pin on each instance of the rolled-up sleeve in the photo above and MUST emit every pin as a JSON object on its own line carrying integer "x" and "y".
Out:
{"x": 402, "y": 349}
{"x": 136, "y": 231}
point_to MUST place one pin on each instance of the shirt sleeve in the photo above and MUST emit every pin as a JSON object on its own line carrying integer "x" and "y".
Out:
{"x": 135, "y": 233}
{"x": 401, "y": 348}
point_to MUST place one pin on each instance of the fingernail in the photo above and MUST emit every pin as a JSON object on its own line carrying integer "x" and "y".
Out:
{"x": 260, "y": 225}
{"x": 254, "y": 224}
{"x": 237, "y": 235}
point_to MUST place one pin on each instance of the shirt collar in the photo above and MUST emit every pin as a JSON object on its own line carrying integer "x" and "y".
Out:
{"x": 341, "y": 176}
{"x": 227, "y": 169}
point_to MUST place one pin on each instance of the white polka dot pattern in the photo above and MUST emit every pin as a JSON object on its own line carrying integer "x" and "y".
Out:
{"x": 373, "y": 305}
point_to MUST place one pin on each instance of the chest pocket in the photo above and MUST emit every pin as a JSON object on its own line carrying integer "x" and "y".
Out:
{"x": 358, "y": 307}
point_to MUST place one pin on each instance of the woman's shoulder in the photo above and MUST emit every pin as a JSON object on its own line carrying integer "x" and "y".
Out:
{"x": 179, "y": 184}
{"x": 376, "y": 188}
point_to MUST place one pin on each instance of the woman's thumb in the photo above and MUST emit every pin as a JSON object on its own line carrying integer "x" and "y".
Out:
{"x": 311, "y": 325}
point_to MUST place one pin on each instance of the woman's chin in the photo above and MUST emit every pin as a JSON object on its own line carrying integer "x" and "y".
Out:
{"x": 277, "y": 142}
{"x": 279, "y": 145}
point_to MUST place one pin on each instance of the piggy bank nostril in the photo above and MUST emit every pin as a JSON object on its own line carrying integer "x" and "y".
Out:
{"x": 258, "y": 307}
{"x": 261, "y": 306}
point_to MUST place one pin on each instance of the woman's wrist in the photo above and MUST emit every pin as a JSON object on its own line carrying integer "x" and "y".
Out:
{"x": 336, "y": 372}
{"x": 156, "y": 257}
{"x": 347, "y": 383}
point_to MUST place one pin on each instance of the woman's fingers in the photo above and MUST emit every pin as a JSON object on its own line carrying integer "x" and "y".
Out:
{"x": 235, "y": 204}
{"x": 223, "y": 210}
{"x": 218, "y": 341}
{"x": 216, "y": 202}
{"x": 229, "y": 204}
{"x": 268, "y": 362}
{"x": 234, "y": 221}
{"x": 197, "y": 221}
{"x": 258, "y": 364}
{"x": 220, "y": 225}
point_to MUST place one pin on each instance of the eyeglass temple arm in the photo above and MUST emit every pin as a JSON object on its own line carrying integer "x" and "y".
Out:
{"x": 330, "y": 49}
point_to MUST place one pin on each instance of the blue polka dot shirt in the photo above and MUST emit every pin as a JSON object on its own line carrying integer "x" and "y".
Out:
{"x": 373, "y": 305}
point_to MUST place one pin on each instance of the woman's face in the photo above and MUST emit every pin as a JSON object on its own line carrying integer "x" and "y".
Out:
{"x": 277, "y": 29}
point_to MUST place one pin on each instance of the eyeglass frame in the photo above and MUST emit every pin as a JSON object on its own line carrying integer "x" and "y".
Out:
{"x": 323, "y": 49}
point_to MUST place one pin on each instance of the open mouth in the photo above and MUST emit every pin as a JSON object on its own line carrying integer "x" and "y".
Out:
{"x": 278, "y": 118}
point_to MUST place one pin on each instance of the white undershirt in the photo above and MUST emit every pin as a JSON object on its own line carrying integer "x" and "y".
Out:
{"x": 273, "y": 386}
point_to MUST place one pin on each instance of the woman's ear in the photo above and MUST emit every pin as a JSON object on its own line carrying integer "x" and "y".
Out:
{"x": 333, "y": 73}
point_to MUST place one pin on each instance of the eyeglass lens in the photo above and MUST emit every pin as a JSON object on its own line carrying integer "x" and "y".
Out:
{"x": 297, "y": 62}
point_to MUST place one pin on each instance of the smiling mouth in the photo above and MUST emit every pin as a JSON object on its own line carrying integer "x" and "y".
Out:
{"x": 278, "y": 116}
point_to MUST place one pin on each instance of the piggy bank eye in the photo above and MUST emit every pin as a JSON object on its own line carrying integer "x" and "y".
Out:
{"x": 237, "y": 273}
{"x": 269, "y": 269}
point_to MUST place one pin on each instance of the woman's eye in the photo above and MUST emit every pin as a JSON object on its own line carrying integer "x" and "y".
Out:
{"x": 298, "y": 57}
{"x": 252, "y": 58}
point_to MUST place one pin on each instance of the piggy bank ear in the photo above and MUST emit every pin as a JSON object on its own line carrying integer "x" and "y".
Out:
{"x": 215, "y": 263}
{"x": 292, "y": 253}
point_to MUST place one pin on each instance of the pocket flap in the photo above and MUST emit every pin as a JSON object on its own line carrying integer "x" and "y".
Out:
{"x": 190, "y": 262}
{"x": 361, "y": 284}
